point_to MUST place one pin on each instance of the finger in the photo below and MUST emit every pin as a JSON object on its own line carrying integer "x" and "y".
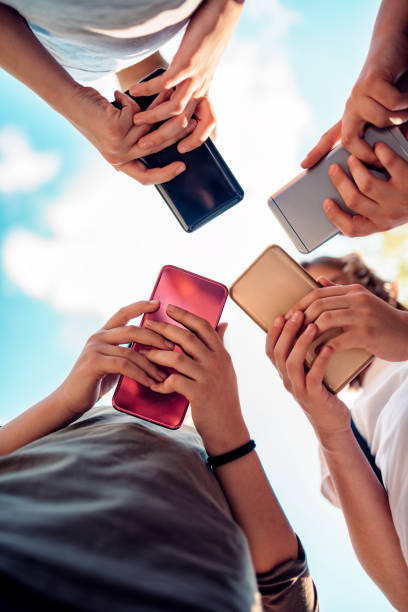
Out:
{"x": 136, "y": 358}
{"x": 349, "y": 225}
{"x": 374, "y": 188}
{"x": 175, "y": 383}
{"x": 393, "y": 163}
{"x": 172, "y": 107}
{"x": 152, "y": 176}
{"x": 285, "y": 343}
{"x": 174, "y": 359}
{"x": 352, "y": 137}
{"x": 221, "y": 329}
{"x": 314, "y": 378}
{"x": 325, "y": 144}
{"x": 202, "y": 328}
{"x": 325, "y": 282}
{"x": 295, "y": 363}
{"x": 150, "y": 87}
{"x": 346, "y": 340}
{"x": 205, "y": 125}
{"x": 126, "y": 102}
{"x": 316, "y": 294}
{"x": 331, "y": 319}
{"x": 354, "y": 199}
{"x": 272, "y": 337}
{"x": 169, "y": 133}
{"x": 131, "y": 311}
{"x": 186, "y": 339}
{"x": 388, "y": 95}
{"x": 124, "y": 367}
{"x": 132, "y": 333}
{"x": 324, "y": 305}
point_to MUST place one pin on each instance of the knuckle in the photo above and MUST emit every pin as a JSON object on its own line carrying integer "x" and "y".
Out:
{"x": 326, "y": 317}
{"x": 367, "y": 183}
{"x": 354, "y": 200}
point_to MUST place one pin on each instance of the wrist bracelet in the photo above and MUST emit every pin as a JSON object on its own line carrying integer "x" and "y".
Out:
{"x": 219, "y": 460}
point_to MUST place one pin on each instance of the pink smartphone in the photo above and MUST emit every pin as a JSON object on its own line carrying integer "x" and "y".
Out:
{"x": 201, "y": 296}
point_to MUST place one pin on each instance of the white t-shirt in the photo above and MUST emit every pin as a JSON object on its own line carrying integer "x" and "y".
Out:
{"x": 381, "y": 416}
{"x": 93, "y": 39}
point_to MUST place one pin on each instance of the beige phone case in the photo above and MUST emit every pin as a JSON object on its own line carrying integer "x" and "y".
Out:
{"x": 270, "y": 287}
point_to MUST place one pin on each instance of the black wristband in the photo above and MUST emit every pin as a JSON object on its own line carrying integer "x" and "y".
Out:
{"x": 219, "y": 460}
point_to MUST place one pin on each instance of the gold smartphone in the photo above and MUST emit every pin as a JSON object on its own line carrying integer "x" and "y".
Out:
{"x": 270, "y": 287}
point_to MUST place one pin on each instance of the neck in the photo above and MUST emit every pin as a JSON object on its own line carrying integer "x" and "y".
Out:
{"x": 133, "y": 74}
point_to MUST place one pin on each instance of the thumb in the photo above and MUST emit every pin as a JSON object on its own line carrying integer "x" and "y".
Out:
{"x": 325, "y": 282}
{"x": 221, "y": 329}
{"x": 126, "y": 101}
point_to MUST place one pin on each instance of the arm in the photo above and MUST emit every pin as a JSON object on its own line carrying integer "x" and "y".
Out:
{"x": 366, "y": 321}
{"x": 192, "y": 70}
{"x": 98, "y": 368}
{"x": 375, "y": 99}
{"x": 109, "y": 129}
{"x": 207, "y": 378}
{"x": 363, "y": 500}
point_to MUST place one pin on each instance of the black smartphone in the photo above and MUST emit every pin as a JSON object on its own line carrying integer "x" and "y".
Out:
{"x": 207, "y": 187}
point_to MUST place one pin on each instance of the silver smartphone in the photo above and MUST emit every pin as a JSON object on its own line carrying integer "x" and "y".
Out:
{"x": 298, "y": 206}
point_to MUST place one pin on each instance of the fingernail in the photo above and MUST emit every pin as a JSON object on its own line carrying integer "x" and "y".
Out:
{"x": 183, "y": 148}
{"x": 148, "y": 323}
{"x": 310, "y": 329}
{"x": 154, "y": 301}
{"x": 288, "y": 315}
{"x": 180, "y": 168}
{"x": 327, "y": 205}
{"x": 296, "y": 317}
{"x": 169, "y": 345}
{"x": 161, "y": 376}
{"x": 171, "y": 307}
{"x": 150, "y": 381}
{"x": 277, "y": 322}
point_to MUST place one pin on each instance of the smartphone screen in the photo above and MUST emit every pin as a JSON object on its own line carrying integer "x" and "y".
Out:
{"x": 204, "y": 190}
{"x": 201, "y": 296}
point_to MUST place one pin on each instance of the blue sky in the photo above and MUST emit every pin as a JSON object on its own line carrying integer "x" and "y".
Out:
{"x": 65, "y": 266}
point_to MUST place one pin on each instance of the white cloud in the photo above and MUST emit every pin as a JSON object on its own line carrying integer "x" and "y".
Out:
{"x": 110, "y": 236}
{"x": 22, "y": 169}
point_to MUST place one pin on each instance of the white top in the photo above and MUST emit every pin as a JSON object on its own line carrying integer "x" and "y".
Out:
{"x": 92, "y": 39}
{"x": 381, "y": 416}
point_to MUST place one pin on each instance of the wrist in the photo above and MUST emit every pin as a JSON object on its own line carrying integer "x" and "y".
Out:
{"x": 225, "y": 439}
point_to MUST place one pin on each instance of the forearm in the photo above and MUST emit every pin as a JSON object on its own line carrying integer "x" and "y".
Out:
{"x": 41, "y": 419}
{"x": 256, "y": 509}
{"x": 392, "y": 18}
{"x": 25, "y": 58}
{"x": 366, "y": 509}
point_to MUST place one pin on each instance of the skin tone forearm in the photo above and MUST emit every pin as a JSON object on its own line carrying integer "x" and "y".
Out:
{"x": 23, "y": 56}
{"x": 366, "y": 510}
{"x": 392, "y": 18}
{"x": 258, "y": 512}
{"x": 205, "y": 375}
{"x": 50, "y": 414}
{"x": 363, "y": 500}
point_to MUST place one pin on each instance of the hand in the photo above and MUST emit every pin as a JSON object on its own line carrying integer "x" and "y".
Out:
{"x": 374, "y": 99}
{"x": 368, "y": 322}
{"x": 205, "y": 376}
{"x": 112, "y": 132}
{"x": 103, "y": 360}
{"x": 379, "y": 205}
{"x": 189, "y": 75}
{"x": 328, "y": 415}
